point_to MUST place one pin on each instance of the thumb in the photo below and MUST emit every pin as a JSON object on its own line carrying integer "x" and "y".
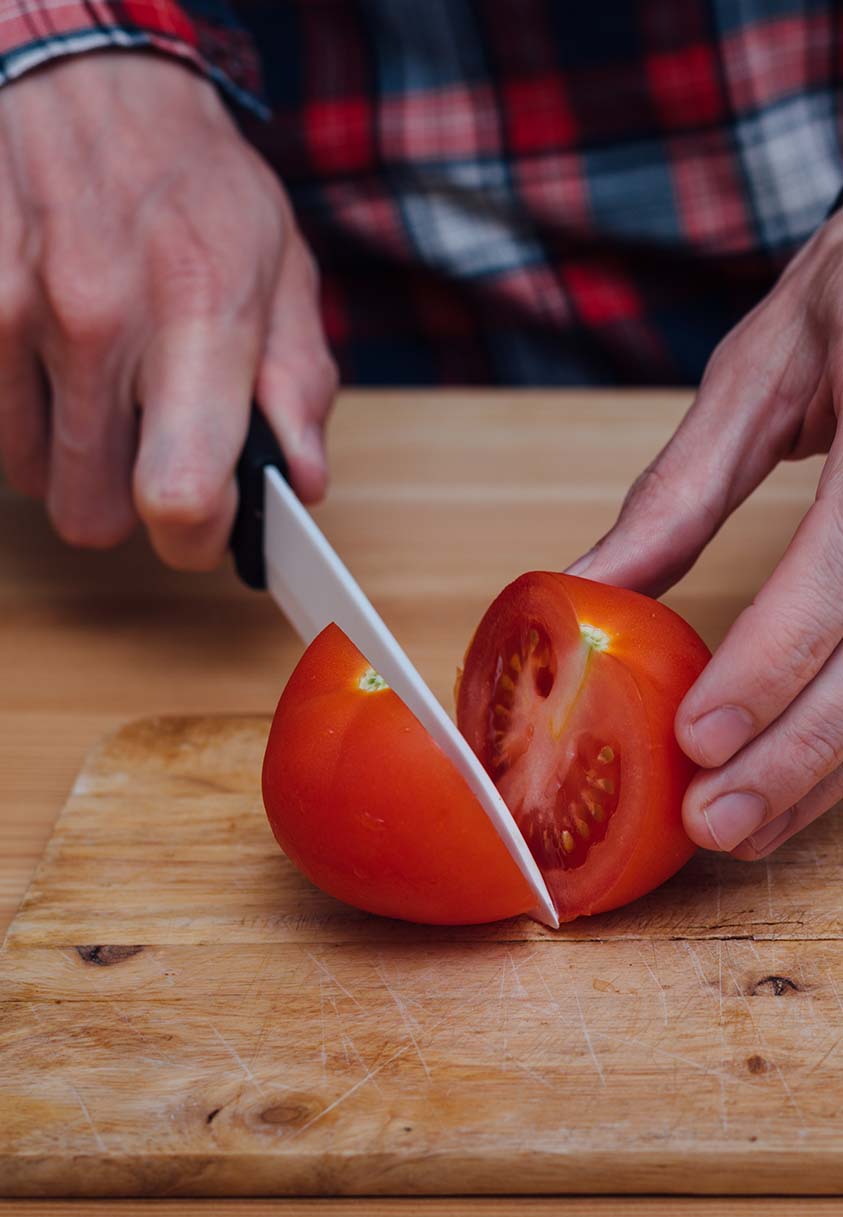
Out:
{"x": 739, "y": 427}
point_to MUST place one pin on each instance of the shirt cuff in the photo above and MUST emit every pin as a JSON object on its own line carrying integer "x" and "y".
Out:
{"x": 33, "y": 32}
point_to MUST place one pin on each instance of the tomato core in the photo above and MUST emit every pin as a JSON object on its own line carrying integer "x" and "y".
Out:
{"x": 568, "y": 697}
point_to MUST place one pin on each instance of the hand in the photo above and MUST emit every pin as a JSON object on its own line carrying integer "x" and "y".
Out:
{"x": 765, "y": 718}
{"x": 152, "y": 281}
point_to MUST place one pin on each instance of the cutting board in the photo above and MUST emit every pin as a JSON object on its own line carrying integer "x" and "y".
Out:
{"x": 183, "y": 1014}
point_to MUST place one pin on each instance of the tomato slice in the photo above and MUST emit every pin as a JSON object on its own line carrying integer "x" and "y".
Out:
{"x": 368, "y": 806}
{"x": 568, "y": 698}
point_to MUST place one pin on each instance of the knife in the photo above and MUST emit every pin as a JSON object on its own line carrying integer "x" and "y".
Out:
{"x": 278, "y": 545}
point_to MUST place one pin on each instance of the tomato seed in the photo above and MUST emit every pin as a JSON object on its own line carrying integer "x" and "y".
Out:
{"x": 567, "y": 842}
{"x": 605, "y": 755}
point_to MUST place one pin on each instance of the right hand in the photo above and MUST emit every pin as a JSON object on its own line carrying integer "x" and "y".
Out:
{"x": 152, "y": 283}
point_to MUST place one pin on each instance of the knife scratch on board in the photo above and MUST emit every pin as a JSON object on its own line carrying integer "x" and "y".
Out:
{"x": 769, "y": 876}
{"x": 329, "y": 975}
{"x": 834, "y": 988}
{"x": 503, "y": 1021}
{"x": 659, "y": 984}
{"x": 589, "y": 1044}
{"x": 724, "y": 1106}
{"x": 145, "y": 1039}
{"x": 88, "y": 1117}
{"x": 237, "y": 1058}
{"x": 697, "y": 965}
{"x": 406, "y": 1018}
{"x": 766, "y": 1052}
{"x": 33, "y": 1009}
{"x": 348, "y": 1093}
{"x": 349, "y": 1048}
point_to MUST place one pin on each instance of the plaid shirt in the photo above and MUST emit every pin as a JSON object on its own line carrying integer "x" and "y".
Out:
{"x": 521, "y": 191}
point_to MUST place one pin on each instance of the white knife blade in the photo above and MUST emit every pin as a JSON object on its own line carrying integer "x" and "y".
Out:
{"x": 314, "y": 588}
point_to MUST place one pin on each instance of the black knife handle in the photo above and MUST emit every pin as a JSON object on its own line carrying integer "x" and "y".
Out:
{"x": 261, "y": 449}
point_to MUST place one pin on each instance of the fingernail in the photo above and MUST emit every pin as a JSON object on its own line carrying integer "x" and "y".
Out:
{"x": 733, "y": 817}
{"x": 765, "y": 837}
{"x": 582, "y": 563}
{"x": 720, "y": 734}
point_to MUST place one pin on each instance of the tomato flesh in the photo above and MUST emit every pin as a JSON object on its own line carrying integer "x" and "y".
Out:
{"x": 568, "y": 697}
{"x": 370, "y": 809}
{"x": 577, "y": 732}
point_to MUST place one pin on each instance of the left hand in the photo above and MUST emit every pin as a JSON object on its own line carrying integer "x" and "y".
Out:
{"x": 765, "y": 718}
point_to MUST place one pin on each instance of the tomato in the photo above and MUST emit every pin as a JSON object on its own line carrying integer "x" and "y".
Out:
{"x": 367, "y": 805}
{"x": 568, "y": 697}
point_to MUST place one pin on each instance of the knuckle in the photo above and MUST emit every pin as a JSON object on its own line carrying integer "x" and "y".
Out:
{"x": 814, "y": 748}
{"x": 305, "y": 381}
{"x": 83, "y": 310}
{"x": 187, "y": 499}
{"x": 194, "y": 280}
{"x": 79, "y": 420}
{"x": 648, "y": 487}
{"x": 200, "y": 287}
{"x": 795, "y": 652}
{"x": 659, "y": 497}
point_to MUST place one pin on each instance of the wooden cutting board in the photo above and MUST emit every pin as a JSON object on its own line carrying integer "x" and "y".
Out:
{"x": 183, "y": 1014}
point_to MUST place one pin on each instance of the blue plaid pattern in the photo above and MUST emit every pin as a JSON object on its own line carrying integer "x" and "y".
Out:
{"x": 516, "y": 191}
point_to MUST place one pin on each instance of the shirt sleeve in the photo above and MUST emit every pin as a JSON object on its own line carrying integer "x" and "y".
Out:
{"x": 33, "y": 32}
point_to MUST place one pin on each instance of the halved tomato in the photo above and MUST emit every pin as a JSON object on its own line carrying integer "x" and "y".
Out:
{"x": 369, "y": 807}
{"x": 568, "y": 698}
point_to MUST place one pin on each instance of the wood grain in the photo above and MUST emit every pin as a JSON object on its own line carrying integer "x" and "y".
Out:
{"x": 451, "y": 1206}
{"x": 438, "y": 499}
{"x": 183, "y": 1014}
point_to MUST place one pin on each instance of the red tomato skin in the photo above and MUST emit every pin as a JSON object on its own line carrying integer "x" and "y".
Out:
{"x": 370, "y": 809}
{"x": 664, "y": 656}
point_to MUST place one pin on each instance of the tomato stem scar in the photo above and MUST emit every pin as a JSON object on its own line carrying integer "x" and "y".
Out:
{"x": 371, "y": 682}
{"x": 596, "y": 638}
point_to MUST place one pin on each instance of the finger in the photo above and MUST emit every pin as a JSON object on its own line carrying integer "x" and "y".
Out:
{"x": 23, "y": 397}
{"x": 92, "y": 442}
{"x": 724, "y": 807}
{"x": 297, "y": 382}
{"x": 195, "y": 387}
{"x": 24, "y": 427}
{"x": 743, "y": 421}
{"x": 818, "y": 801}
{"x": 778, "y": 644}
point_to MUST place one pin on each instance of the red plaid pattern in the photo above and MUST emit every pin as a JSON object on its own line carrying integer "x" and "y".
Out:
{"x": 32, "y": 32}
{"x": 515, "y": 190}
